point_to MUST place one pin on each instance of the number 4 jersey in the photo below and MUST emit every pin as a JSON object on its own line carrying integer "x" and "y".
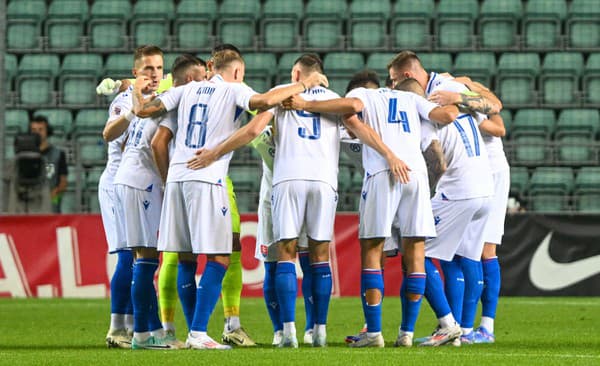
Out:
{"x": 208, "y": 113}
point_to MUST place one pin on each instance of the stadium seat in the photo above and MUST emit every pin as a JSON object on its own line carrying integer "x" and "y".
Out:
{"x": 549, "y": 189}
{"x": 515, "y": 79}
{"x": 279, "y": 25}
{"x": 107, "y": 27}
{"x": 583, "y": 122}
{"x": 479, "y": 66}
{"x": 533, "y": 122}
{"x": 35, "y": 80}
{"x": 284, "y": 66}
{"x": 118, "y": 66}
{"x": 454, "y": 25}
{"x": 90, "y": 199}
{"x": 507, "y": 118}
{"x": 60, "y": 119}
{"x": 339, "y": 67}
{"x": 78, "y": 80}
{"x": 367, "y": 24}
{"x": 559, "y": 80}
{"x": 15, "y": 121}
{"x": 542, "y": 23}
{"x": 237, "y": 22}
{"x": 246, "y": 201}
{"x": 10, "y": 69}
{"x": 519, "y": 181}
{"x": 588, "y": 179}
{"x": 91, "y": 150}
{"x": 151, "y": 22}
{"x": 193, "y": 25}
{"x": 260, "y": 69}
{"x": 92, "y": 177}
{"x": 323, "y": 25}
{"x": 357, "y": 182}
{"x": 378, "y": 62}
{"x": 245, "y": 178}
{"x": 70, "y": 203}
{"x": 65, "y": 25}
{"x": 497, "y": 25}
{"x": 587, "y": 203}
{"x": 23, "y": 25}
{"x": 90, "y": 122}
{"x": 531, "y": 151}
{"x": 576, "y": 151}
{"x": 410, "y": 24}
{"x": 344, "y": 179}
{"x": 582, "y": 26}
{"x": 591, "y": 81}
{"x": 438, "y": 62}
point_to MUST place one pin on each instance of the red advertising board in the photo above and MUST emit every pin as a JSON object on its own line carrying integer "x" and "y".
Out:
{"x": 66, "y": 256}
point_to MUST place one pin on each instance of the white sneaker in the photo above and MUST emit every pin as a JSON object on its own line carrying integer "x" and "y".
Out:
{"x": 288, "y": 342}
{"x": 170, "y": 339}
{"x": 308, "y": 337}
{"x": 319, "y": 340}
{"x": 404, "y": 340}
{"x": 277, "y": 337}
{"x": 151, "y": 343}
{"x": 442, "y": 336}
{"x": 204, "y": 342}
{"x": 366, "y": 341}
{"x": 118, "y": 338}
{"x": 456, "y": 342}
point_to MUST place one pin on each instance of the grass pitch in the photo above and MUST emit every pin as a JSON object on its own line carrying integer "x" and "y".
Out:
{"x": 529, "y": 331}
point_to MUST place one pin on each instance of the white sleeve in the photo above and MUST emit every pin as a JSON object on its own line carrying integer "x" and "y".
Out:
{"x": 120, "y": 106}
{"x": 358, "y": 93}
{"x": 479, "y": 117}
{"x": 170, "y": 121}
{"x": 170, "y": 99}
{"x": 428, "y": 134}
{"x": 424, "y": 107}
{"x": 242, "y": 93}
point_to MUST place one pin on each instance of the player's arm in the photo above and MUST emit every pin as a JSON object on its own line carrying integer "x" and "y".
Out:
{"x": 436, "y": 164}
{"x": 494, "y": 125}
{"x": 484, "y": 91}
{"x": 146, "y": 107}
{"x": 342, "y": 106}
{"x": 205, "y": 157}
{"x": 160, "y": 150}
{"x": 469, "y": 99}
{"x": 444, "y": 115}
{"x": 368, "y": 136}
{"x": 277, "y": 95}
{"x": 117, "y": 126}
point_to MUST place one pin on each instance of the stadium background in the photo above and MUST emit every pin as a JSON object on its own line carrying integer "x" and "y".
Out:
{"x": 541, "y": 57}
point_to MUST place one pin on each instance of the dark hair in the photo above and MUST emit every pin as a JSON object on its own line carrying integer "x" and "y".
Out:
{"x": 389, "y": 83}
{"x": 225, "y": 47}
{"x": 410, "y": 85}
{"x": 310, "y": 62}
{"x": 38, "y": 118}
{"x": 362, "y": 78}
{"x": 181, "y": 65}
{"x": 146, "y": 50}
{"x": 403, "y": 61}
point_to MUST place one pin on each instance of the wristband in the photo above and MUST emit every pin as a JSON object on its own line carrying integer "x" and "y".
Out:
{"x": 129, "y": 115}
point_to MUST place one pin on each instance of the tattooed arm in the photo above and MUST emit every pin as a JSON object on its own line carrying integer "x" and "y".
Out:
{"x": 436, "y": 164}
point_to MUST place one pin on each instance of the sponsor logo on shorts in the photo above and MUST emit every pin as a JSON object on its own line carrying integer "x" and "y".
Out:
{"x": 220, "y": 182}
{"x": 436, "y": 219}
{"x": 364, "y": 195}
{"x": 224, "y": 210}
{"x": 146, "y": 204}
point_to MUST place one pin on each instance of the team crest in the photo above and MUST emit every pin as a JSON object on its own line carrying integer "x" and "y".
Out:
{"x": 224, "y": 210}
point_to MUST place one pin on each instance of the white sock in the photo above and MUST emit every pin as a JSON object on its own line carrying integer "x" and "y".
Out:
{"x": 141, "y": 336}
{"x": 197, "y": 334}
{"x": 403, "y": 332}
{"x": 231, "y": 323}
{"x": 117, "y": 321}
{"x": 487, "y": 323}
{"x": 466, "y": 330}
{"x": 289, "y": 329}
{"x": 447, "y": 321}
{"x": 129, "y": 321}
{"x": 320, "y": 329}
{"x": 373, "y": 334}
{"x": 169, "y": 326}
{"x": 158, "y": 333}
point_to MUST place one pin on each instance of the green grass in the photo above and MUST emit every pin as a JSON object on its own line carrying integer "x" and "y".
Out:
{"x": 530, "y": 331}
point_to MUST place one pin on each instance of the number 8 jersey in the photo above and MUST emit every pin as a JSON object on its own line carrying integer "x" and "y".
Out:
{"x": 208, "y": 113}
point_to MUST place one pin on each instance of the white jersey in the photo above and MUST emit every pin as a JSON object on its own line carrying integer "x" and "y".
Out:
{"x": 208, "y": 113}
{"x": 495, "y": 149}
{"x": 468, "y": 174}
{"x": 119, "y": 107}
{"x": 396, "y": 117}
{"x": 307, "y": 144}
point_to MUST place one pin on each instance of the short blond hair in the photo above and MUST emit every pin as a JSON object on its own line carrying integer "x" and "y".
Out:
{"x": 410, "y": 85}
{"x": 403, "y": 61}
{"x": 224, "y": 58}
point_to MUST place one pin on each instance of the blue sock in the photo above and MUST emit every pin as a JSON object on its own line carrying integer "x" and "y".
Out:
{"x": 154, "y": 322}
{"x": 270, "y": 296}
{"x": 413, "y": 283}
{"x": 142, "y": 287}
{"x": 207, "y": 294}
{"x": 491, "y": 287}
{"x": 434, "y": 290}
{"x": 454, "y": 286}
{"x": 286, "y": 286}
{"x": 186, "y": 288}
{"x": 321, "y": 281}
{"x": 371, "y": 279}
{"x": 473, "y": 288}
{"x": 120, "y": 284}
{"x": 307, "y": 290}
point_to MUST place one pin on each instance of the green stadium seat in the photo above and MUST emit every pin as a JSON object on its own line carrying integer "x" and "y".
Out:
{"x": 65, "y": 25}
{"x": 168, "y": 59}
{"x": 151, "y": 22}
{"x": 284, "y": 66}
{"x": 542, "y": 23}
{"x": 280, "y": 24}
{"x": 339, "y": 67}
{"x": 531, "y": 151}
{"x": 193, "y": 25}
{"x": 237, "y": 22}
{"x": 508, "y": 122}
{"x": 549, "y": 189}
{"x": 576, "y": 151}
{"x": 378, "y": 62}
{"x": 588, "y": 179}
{"x": 10, "y": 69}
{"x": 410, "y": 24}
{"x": 344, "y": 179}
{"x": 479, "y": 66}
{"x": 367, "y": 24}
{"x": 107, "y": 27}
{"x": 70, "y": 203}
{"x": 515, "y": 79}
{"x": 91, "y": 150}
{"x": 15, "y": 121}
{"x": 559, "y": 81}
{"x": 497, "y": 26}
{"x": 534, "y": 122}
{"x": 118, "y": 66}
{"x": 60, "y": 119}
{"x": 582, "y": 26}
{"x": 583, "y": 122}
{"x": 260, "y": 70}
{"x": 323, "y": 25}
{"x": 357, "y": 182}
{"x": 78, "y": 80}
{"x": 246, "y": 201}
{"x": 587, "y": 203}
{"x": 23, "y": 25}
{"x": 90, "y": 122}
{"x": 519, "y": 181}
{"x": 455, "y": 24}
{"x": 9, "y": 150}
{"x": 591, "y": 81}
{"x": 90, "y": 199}
{"x": 245, "y": 178}
{"x": 35, "y": 80}
{"x": 92, "y": 177}
{"x": 438, "y": 62}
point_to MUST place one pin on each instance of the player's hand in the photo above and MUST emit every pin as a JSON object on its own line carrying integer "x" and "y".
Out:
{"x": 442, "y": 98}
{"x": 141, "y": 82}
{"x": 315, "y": 79}
{"x": 295, "y": 102}
{"x": 399, "y": 169}
{"x": 202, "y": 159}
{"x": 108, "y": 87}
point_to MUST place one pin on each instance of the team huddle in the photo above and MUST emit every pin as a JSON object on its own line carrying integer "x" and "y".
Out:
{"x": 435, "y": 187}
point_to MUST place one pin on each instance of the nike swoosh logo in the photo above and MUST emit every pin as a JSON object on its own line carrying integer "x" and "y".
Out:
{"x": 547, "y": 274}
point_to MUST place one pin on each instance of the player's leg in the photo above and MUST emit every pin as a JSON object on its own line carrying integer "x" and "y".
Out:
{"x": 490, "y": 294}
{"x": 304, "y": 259}
{"x": 167, "y": 290}
{"x": 186, "y": 285}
